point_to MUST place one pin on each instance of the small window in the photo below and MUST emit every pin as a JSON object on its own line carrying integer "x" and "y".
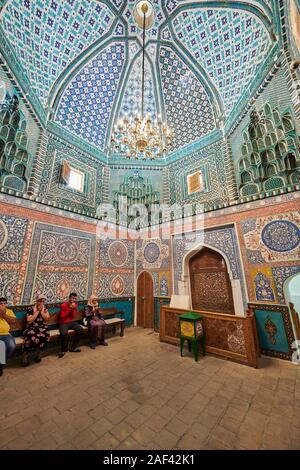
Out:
{"x": 194, "y": 182}
{"x": 76, "y": 180}
{"x": 72, "y": 177}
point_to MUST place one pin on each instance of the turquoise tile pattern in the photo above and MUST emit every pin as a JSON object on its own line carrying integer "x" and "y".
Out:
{"x": 131, "y": 102}
{"x": 229, "y": 44}
{"x": 48, "y": 35}
{"x": 189, "y": 111}
{"x": 215, "y": 56}
{"x": 88, "y": 99}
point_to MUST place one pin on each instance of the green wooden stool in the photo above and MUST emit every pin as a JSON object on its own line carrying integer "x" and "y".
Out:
{"x": 192, "y": 331}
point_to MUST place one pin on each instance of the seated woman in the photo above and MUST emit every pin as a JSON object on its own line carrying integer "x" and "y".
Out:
{"x": 36, "y": 334}
{"x": 95, "y": 322}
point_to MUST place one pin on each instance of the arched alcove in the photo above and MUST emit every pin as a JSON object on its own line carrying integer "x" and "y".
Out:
{"x": 291, "y": 290}
{"x": 210, "y": 282}
{"x": 185, "y": 287}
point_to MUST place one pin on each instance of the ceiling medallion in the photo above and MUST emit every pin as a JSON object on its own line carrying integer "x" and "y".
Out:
{"x": 138, "y": 137}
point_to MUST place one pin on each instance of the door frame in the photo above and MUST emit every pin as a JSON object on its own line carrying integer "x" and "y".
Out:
{"x": 136, "y": 293}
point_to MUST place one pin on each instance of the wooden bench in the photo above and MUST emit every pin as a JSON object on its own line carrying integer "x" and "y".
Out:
{"x": 112, "y": 323}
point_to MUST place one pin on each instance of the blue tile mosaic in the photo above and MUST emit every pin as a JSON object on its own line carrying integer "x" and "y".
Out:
{"x": 188, "y": 108}
{"x": 47, "y": 35}
{"x": 229, "y": 44}
{"x": 88, "y": 99}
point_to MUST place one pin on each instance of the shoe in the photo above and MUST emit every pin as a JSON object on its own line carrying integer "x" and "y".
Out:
{"x": 38, "y": 357}
{"x": 61, "y": 354}
{"x": 25, "y": 360}
{"x": 93, "y": 346}
{"x": 103, "y": 343}
{"x": 75, "y": 350}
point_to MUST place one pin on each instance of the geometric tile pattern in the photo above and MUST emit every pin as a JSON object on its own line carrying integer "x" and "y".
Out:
{"x": 114, "y": 268}
{"x": 210, "y": 161}
{"x": 272, "y": 239}
{"x": 12, "y": 235}
{"x": 61, "y": 261}
{"x": 115, "y": 285}
{"x": 56, "y": 286}
{"x": 15, "y": 233}
{"x": 281, "y": 235}
{"x": 88, "y": 99}
{"x": 131, "y": 102}
{"x": 8, "y": 282}
{"x": 155, "y": 283}
{"x": 164, "y": 284}
{"x": 116, "y": 254}
{"x": 230, "y": 45}
{"x": 263, "y": 289}
{"x": 189, "y": 111}
{"x": 51, "y": 188}
{"x": 166, "y": 34}
{"x": 152, "y": 254}
{"x": 48, "y": 35}
{"x": 57, "y": 249}
{"x": 117, "y": 3}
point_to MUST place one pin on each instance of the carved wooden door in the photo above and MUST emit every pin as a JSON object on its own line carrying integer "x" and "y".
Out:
{"x": 210, "y": 283}
{"x": 145, "y": 301}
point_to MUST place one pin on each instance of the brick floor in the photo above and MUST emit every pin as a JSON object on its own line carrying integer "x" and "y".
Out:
{"x": 139, "y": 393}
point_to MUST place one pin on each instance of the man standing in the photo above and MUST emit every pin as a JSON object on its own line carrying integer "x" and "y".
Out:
{"x": 7, "y": 341}
{"x": 68, "y": 311}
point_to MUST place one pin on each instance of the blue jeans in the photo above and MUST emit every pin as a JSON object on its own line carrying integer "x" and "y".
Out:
{"x": 7, "y": 347}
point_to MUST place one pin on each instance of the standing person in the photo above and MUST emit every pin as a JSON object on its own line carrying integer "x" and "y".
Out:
{"x": 36, "y": 334}
{"x": 7, "y": 341}
{"x": 68, "y": 311}
{"x": 95, "y": 322}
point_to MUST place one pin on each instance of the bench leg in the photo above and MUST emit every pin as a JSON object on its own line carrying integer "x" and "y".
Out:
{"x": 122, "y": 329}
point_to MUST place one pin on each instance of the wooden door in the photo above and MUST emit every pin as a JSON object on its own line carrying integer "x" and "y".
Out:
{"x": 145, "y": 301}
{"x": 210, "y": 283}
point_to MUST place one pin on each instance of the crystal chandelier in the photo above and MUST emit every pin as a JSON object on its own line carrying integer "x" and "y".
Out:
{"x": 139, "y": 137}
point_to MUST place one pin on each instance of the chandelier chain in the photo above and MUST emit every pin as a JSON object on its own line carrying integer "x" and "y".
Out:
{"x": 141, "y": 137}
{"x": 143, "y": 63}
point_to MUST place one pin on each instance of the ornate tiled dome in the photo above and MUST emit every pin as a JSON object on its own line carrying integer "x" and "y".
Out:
{"x": 82, "y": 62}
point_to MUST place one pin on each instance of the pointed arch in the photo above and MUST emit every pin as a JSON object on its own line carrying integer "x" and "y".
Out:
{"x": 235, "y": 283}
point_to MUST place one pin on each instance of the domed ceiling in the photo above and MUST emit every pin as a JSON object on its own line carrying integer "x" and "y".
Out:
{"x": 83, "y": 61}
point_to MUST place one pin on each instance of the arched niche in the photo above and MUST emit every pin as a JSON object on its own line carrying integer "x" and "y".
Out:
{"x": 273, "y": 183}
{"x": 14, "y": 182}
{"x": 19, "y": 170}
{"x": 290, "y": 162}
{"x": 250, "y": 190}
{"x": 234, "y": 284}
{"x": 291, "y": 289}
{"x": 271, "y": 170}
{"x": 246, "y": 177}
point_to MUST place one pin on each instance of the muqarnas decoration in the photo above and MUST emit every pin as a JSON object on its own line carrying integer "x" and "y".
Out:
{"x": 270, "y": 155}
{"x": 14, "y": 156}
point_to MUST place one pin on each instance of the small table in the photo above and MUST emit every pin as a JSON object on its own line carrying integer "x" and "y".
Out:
{"x": 192, "y": 330}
